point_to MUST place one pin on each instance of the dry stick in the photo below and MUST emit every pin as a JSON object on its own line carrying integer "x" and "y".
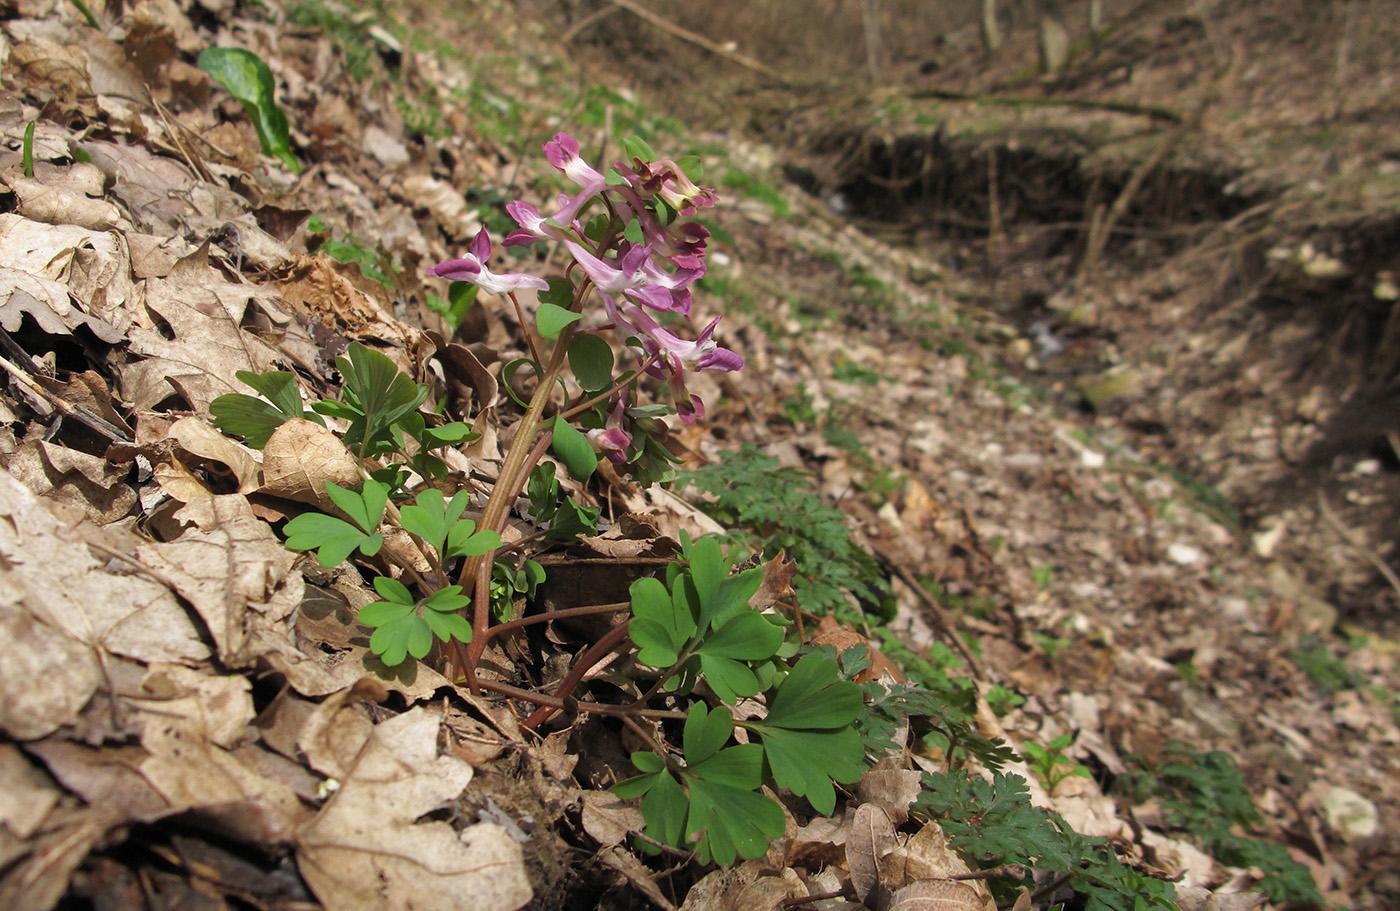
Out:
{"x": 76, "y": 412}
{"x": 559, "y": 704}
{"x": 1355, "y": 541}
{"x": 1102, "y": 228}
{"x": 611, "y": 640}
{"x": 1118, "y": 107}
{"x": 934, "y": 607}
{"x": 700, "y": 40}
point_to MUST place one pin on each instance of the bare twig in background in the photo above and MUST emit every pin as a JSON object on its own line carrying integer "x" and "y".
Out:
{"x": 1353, "y": 539}
{"x": 700, "y": 40}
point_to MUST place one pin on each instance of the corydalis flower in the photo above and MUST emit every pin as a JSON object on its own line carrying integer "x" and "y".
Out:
{"x": 675, "y": 355}
{"x": 472, "y": 268}
{"x": 665, "y": 180}
{"x": 611, "y": 439}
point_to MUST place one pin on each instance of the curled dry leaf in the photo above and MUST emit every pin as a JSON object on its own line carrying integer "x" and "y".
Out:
{"x": 298, "y": 460}
{"x": 893, "y": 790}
{"x": 607, "y": 819}
{"x": 749, "y": 886}
{"x": 365, "y": 851}
{"x": 936, "y": 895}
{"x": 871, "y": 840}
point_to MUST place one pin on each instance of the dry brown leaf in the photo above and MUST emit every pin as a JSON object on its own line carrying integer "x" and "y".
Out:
{"x": 751, "y": 886}
{"x": 84, "y": 482}
{"x": 26, "y": 794}
{"x": 42, "y": 265}
{"x": 934, "y": 895}
{"x": 636, "y": 873}
{"x": 38, "y": 876}
{"x": 66, "y": 198}
{"x": 607, "y": 819}
{"x": 204, "y": 312}
{"x": 298, "y": 460}
{"x": 931, "y": 855}
{"x": 215, "y": 457}
{"x": 365, "y": 852}
{"x": 232, "y": 569}
{"x": 871, "y": 840}
{"x": 339, "y": 728}
{"x": 893, "y": 790}
{"x": 445, "y": 204}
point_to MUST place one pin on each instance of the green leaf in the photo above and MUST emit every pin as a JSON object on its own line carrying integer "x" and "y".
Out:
{"x": 464, "y": 541}
{"x": 591, "y": 360}
{"x": 242, "y": 415}
{"x": 249, "y": 79}
{"x": 637, "y": 147}
{"x": 661, "y": 625}
{"x": 448, "y": 626}
{"x": 633, "y": 232}
{"x": 380, "y": 390}
{"x": 431, "y": 517}
{"x": 279, "y": 387}
{"x": 392, "y": 590}
{"x": 705, "y": 732}
{"x": 448, "y": 598}
{"x": 409, "y": 635}
{"x": 366, "y": 508}
{"x": 460, "y": 297}
{"x": 574, "y": 450}
{"x": 551, "y": 319}
{"x": 807, "y": 737}
{"x": 333, "y": 539}
{"x": 560, "y": 293}
{"x": 727, "y": 817}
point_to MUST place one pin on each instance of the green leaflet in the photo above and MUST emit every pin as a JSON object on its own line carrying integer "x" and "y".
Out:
{"x": 255, "y": 419}
{"x": 400, "y": 629}
{"x": 807, "y": 734}
{"x": 248, "y": 79}
{"x": 335, "y": 539}
{"x": 714, "y": 807}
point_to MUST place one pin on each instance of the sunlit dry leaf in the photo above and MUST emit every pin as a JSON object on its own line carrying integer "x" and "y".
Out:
{"x": 229, "y": 566}
{"x": 870, "y": 841}
{"x": 364, "y": 850}
{"x": 931, "y": 855}
{"x": 935, "y": 895}
{"x": 339, "y": 728}
{"x": 778, "y": 574}
{"x": 26, "y": 794}
{"x": 204, "y": 312}
{"x": 300, "y": 457}
{"x": 51, "y": 70}
{"x": 215, "y": 454}
{"x": 749, "y": 886}
{"x": 893, "y": 790}
{"x": 84, "y": 482}
{"x": 38, "y": 877}
{"x": 607, "y": 819}
{"x": 447, "y": 205}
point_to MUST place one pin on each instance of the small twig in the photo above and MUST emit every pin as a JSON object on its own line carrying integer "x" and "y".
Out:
{"x": 560, "y": 705}
{"x": 700, "y": 40}
{"x": 940, "y": 618}
{"x": 1352, "y": 538}
{"x": 793, "y": 902}
{"x": 604, "y": 646}
{"x": 76, "y": 412}
{"x": 549, "y": 616}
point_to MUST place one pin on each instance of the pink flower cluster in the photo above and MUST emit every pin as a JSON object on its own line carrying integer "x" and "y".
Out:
{"x": 632, "y": 278}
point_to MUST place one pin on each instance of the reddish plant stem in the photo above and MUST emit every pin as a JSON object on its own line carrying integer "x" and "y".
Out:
{"x": 558, "y": 703}
{"x": 611, "y": 640}
{"x": 564, "y": 614}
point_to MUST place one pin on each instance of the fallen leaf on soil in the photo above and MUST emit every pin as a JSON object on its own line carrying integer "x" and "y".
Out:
{"x": 298, "y": 460}
{"x": 933, "y": 895}
{"x": 365, "y": 851}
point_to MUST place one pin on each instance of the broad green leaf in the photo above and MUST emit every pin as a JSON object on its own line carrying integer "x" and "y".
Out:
{"x": 277, "y": 386}
{"x": 407, "y": 636}
{"x": 551, "y": 319}
{"x": 729, "y": 679}
{"x": 665, "y": 809}
{"x": 745, "y": 637}
{"x": 464, "y": 541}
{"x": 660, "y": 626}
{"x": 249, "y": 79}
{"x": 705, "y": 732}
{"x": 727, "y": 816}
{"x": 446, "y": 599}
{"x": 813, "y": 696}
{"x": 574, "y": 450}
{"x": 242, "y": 415}
{"x": 637, "y": 147}
{"x": 431, "y": 517}
{"x": 393, "y": 590}
{"x": 381, "y": 391}
{"x": 591, "y": 360}
{"x": 366, "y": 508}
{"x": 571, "y": 520}
{"x": 560, "y": 293}
{"x": 333, "y": 539}
{"x": 381, "y": 613}
{"x": 633, "y": 232}
{"x": 448, "y": 626}
{"x": 460, "y": 297}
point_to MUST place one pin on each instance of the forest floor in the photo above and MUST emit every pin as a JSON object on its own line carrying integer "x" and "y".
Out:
{"x": 1148, "y": 472}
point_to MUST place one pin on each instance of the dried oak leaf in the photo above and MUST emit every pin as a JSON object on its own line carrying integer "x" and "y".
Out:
{"x": 365, "y": 850}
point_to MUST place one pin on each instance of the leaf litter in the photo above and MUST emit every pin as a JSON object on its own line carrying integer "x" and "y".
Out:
{"x": 178, "y": 682}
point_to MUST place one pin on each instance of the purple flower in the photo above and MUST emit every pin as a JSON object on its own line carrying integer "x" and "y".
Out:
{"x": 610, "y": 439}
{"x": 472, "y": 268}
{"x": 534, "y": 226}
{"x": 630, "y": 277}
{"x": 562, "y": 152}
{"x": 676, "y": 355}
{"x": 665, "y": 180}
